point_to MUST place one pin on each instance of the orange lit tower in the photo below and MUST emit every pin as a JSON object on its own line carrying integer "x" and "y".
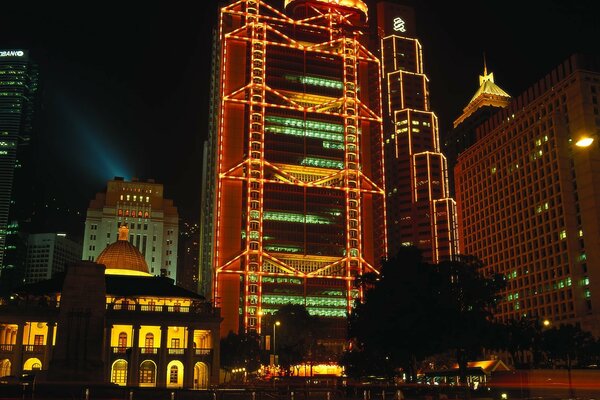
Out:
{"x": 419, "y": 209}
{"x": 300, "y": 207}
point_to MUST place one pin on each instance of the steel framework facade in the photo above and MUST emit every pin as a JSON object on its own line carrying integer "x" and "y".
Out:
{"x": 300, "y": 199}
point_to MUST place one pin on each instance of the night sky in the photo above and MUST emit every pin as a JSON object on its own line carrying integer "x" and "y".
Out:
{"x": 125, "y": 84}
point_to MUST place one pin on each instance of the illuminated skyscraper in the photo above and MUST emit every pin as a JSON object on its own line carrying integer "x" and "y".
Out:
{"x": 152, "y": 219}
{"x": 18, "y": 92}
{"x": 300, "y": 208}
{"x": 419, "y": 209}
{"x": 528, "y": 198}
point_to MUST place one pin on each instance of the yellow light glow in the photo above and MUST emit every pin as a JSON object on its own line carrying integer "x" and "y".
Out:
{"x": 546, "y": 322}
{"x": 584, "y": 141}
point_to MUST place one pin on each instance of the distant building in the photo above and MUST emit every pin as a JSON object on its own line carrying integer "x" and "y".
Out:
{"x": 47, "y": 254}
{"x": 419, "y": 209}
{"x": 189, "y": 254}
{"x": 488, "y": 100}
{"x": 528, "y": 198}
{"x": 110, "y": 322}
{"x": 152, "y": 219}
{"x": 18, "y": 101}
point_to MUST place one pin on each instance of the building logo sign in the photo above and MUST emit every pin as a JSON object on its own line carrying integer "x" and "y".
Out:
{"x": 399, "y": 25}
{"x": 12, "y": 53}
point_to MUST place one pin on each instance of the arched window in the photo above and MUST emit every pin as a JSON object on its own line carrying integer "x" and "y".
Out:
{"x": 173, "y": 374}
{"x": 149, "y": 341}
{"x": 36, "y": 366}
{"x": 119, "y": 372}
{"x": 147, "y": 373}
{"x": 122, "y": 343}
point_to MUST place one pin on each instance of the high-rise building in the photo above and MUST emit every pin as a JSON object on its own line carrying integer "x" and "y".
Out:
{"x": 528, "y": 198}
{"x": 18, "y": 95}
{"x": 47, "y": 254}
{"x": 488, "y": 99}
{"x": 419, "y": 209}
{"x": 209, "y": 165}
{"x": 188, "y": 253}
{"x": 152, "y": 219}
{"x": 300, "y": 208}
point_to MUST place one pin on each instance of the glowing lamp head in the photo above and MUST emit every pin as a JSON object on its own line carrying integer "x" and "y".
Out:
{"x": 277, "y": 323}
{"x": 546, "y": 322}
{"x": 584, "y": 141}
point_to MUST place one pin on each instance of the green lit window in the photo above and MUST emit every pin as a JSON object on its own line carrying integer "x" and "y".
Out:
{"x": 586, "y": 281}
{"x": 563, "y": 234}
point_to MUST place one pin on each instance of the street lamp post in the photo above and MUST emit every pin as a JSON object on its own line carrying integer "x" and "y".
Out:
{"x": 276, "y": 324}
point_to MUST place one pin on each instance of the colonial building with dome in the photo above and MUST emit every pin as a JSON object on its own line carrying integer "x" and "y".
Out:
{"x": 111, "y": 321}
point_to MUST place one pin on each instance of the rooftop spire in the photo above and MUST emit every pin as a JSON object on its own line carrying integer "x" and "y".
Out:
{"x": 488, "y": 94}
{"x": 484, "y": 65}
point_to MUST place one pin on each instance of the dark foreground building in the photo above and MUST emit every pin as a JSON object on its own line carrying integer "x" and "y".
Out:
{"x": 111, "y": 322}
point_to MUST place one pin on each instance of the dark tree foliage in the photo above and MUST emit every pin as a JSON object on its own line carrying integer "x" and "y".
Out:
{"x": 467, "y": 299}
{"x": 568, "y": 343}
{"x": 240, "y": 351}
{"x": 415, "y": 309}
{"x": 295, "y": 336}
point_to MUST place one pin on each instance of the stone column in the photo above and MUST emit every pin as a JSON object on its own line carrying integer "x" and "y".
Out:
{"x": 133, "y": 376}
{"x": 188, "y": 373}
{"x": 161, "y": 374}
{"x": 214, "y": 362}
{"x": 49, "y": 345}
{"x": 108, "y": 352}
{"x": 18, "y": 352}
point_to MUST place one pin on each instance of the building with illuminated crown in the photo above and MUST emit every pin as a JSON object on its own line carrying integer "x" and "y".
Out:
{"x": 110, "y": 321}
{"x": 299, "y": 206}
{"x": 153, "y": 223}
{"x": 487, "y": 100}
{"x": 528, "y": 198}
{"x": 420, "y": 211}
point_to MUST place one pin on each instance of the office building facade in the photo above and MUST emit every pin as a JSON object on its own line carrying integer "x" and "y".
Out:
{"x": 420, "y": 211}
{"x": 528, "y": 200}
{"x": 299, "y": 197}
{"x": 152, "y": 219}
{"x": 47, "y": 254}
{"x": 18, "y": 95}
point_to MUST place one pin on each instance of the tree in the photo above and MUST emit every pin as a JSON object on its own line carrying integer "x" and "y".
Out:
{"x": 416, "y": 309}
{"x": 467, "y": 299}
{"x": 395, "y": 325}
{"x": 240, "y": 351}
{"x": 295, "y": 336}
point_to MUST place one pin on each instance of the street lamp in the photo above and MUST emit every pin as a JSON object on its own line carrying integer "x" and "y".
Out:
{"x": 276, "y": 324}
{"x": 584, "y": 141}
{"x": 546, "y": 323}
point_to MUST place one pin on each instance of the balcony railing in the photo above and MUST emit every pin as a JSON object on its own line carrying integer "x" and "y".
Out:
{"x": 200, "y": 308}
{"x": 156, "y": 350}
{"x": 202, "y": 352}
{"x": 121, "y": 350}
{"x": 34, "y": 348}
{"x": 7, "y": 348}
{"x": 148, "y": 350}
